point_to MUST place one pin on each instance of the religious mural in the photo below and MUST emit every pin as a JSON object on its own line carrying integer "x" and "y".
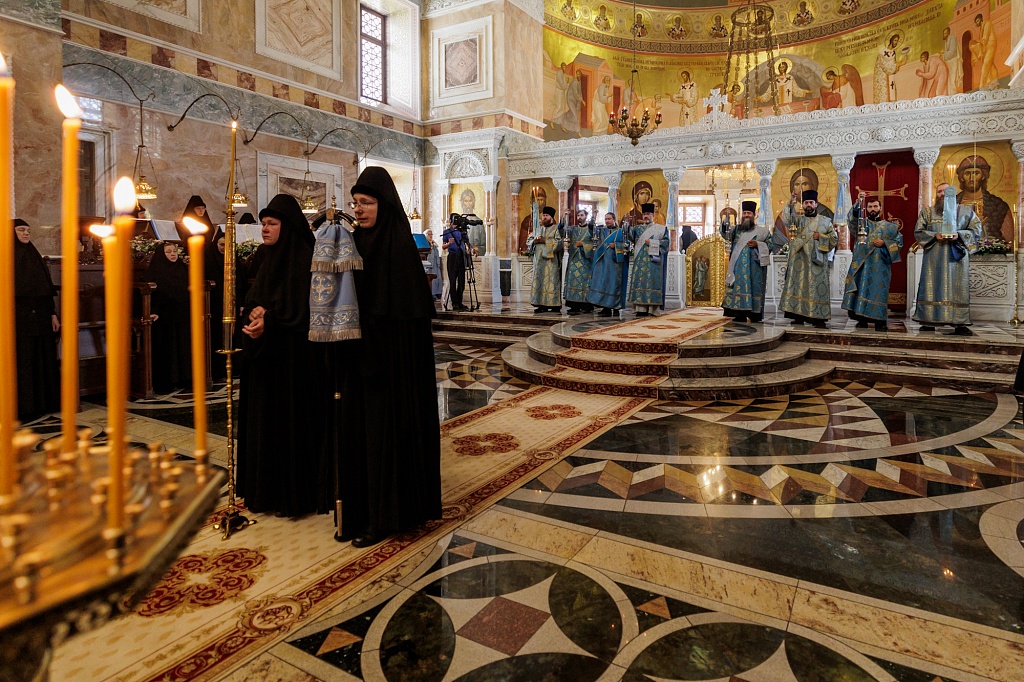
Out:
{"x": 985, "y": 176}
{"x": 640, "y": 188}
{"x": 546, "y": 195}
{"x": 832, "y": 55}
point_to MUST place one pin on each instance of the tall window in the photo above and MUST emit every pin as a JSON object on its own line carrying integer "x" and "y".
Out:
{"x": 373, "y": 55}
{"x": 692, "y": 215}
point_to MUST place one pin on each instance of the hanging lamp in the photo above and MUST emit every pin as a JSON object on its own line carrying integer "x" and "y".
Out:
{"x": 631, "y": 127}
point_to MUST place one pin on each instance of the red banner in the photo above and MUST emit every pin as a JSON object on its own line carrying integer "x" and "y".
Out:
{"x": 893, "y": 177}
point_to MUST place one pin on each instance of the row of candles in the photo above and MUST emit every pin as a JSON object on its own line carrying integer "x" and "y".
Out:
{"x": 117, "y": 273}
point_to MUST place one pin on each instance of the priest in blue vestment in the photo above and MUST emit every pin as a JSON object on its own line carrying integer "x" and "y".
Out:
{"x": 650, "y": 265}
{"x": 867, "y": 285}
{"x": 611, "y": 268}
{"x": 749, "y": 248}
{"x": 948, "y": 233}
{"x": 806, "y": 296}
{"x": 580, "y": 243}
{"x": 545, "y": 245}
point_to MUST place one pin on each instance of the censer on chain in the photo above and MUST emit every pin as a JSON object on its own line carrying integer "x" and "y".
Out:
{"x": 862, "y": 219}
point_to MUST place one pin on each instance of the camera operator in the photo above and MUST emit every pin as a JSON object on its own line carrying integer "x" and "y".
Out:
{"x": 455, "y": 241}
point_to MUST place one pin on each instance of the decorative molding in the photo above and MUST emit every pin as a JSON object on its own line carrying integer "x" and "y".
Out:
{"x": 844, "y": 163}
{"x": 766, "y": 169}
{"x": 989, "y": 280}
{"x": 472, "y": 163}
{"x": 307, "y": 43}
{"x": 436, "y": 8}
{"x": 958, "y": 119}
{"x": 613, "y": 180}
{"x": 563, "y": 184}
{"x": 187, "y": 16}
{"x": 462, "y": 62}
{"x": 926, "y": 158}
{"x": 1018, "y": 150}
{"x": 674, "y": 175}
{"x": 535, "y": 8}
{"x": 515, "y": 186}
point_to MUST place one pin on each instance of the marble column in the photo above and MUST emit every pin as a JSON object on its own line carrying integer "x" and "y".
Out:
{"x": 843, "y": 165}
{"x": 1018, "y": 151}
{"x": 515, "y": 186}
{"x": 613, "y": 181}
{"x": 444, "y": 189}
{"x": 673, "y": 177}
{"x": 491, "y": 233}
{"x": 765, "y": 215}
{"x": 925, "y": 159}
{"x": 562, "y": 185}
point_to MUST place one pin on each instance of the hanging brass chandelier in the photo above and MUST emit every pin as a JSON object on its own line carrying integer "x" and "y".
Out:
{"x": 143, "y": 188}
{"x": 308, "y": 203}
{"x": 752, "y": 39}
{"x": 629, "y": 125}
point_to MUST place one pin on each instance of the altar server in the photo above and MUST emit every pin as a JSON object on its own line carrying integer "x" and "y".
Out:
{"x": 580, "y": 242}
{"x": 545, "y": 245}
{"x": 867, "y": 284}
{"x": 650, "y": 265}
{"x": 611, "y": 268}
{"x": 806, "y": 296}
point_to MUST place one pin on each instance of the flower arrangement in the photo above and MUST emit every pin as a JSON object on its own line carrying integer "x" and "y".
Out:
{"x": 142, "y": 247}
{"x": 246, "y": 249}
{"x": 993, "y": 246}
{"x": 783, "y": 250}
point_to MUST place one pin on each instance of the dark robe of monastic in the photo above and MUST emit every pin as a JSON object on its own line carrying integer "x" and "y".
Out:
{"x": 38, "y": 369}
{"x": 172, "y": 340}
{"x": 280, "y": 407}
{"x": 390, "y": 443}
{"x": 190, "y": 212}
{"x": 213, "y": 265}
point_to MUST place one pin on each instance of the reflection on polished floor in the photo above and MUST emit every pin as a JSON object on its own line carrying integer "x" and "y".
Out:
{"x": 852, "y": 531}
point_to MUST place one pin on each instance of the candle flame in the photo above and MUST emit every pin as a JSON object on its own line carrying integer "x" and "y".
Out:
{"x": 101, "y": 231}
{"x": 234, "y": 125}
{"x": 3, "y": 66}
{"x": 193, "y": 225}
{"x": 124, "y": 195}
{"x": 66, "y": 103}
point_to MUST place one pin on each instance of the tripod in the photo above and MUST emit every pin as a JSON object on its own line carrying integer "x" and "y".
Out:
{"x": 468, "y": 276}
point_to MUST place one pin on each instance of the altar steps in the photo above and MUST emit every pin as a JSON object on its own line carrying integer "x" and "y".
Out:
{"x": 489, "y": 329}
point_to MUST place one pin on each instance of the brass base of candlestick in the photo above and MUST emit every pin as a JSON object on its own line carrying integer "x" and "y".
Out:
{"x": 231, "y": 522}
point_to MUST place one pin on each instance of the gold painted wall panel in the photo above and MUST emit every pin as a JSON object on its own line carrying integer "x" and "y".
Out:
{"x": 902, "y": 56}
{"x": 986, "y": 177}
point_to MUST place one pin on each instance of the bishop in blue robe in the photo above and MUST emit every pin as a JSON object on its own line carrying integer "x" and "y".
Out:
{"x": 650, "y": 265}
{"x": 948, "y": 233}
{"x": 866, "y": 296}
{"x": 806, "y": 296}
{"x": 545, "y": 245}
{"x": 745, "y": 281}
{"x": 611, "y": 268}
{"x": 578, "y": 273}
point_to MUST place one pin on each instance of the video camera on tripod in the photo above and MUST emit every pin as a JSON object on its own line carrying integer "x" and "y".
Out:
{"x": 465, "y": 270}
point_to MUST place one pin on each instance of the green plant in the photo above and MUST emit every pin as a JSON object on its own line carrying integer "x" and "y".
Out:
{"x": 993, "y": 246}
{"x": 244, "y": 250}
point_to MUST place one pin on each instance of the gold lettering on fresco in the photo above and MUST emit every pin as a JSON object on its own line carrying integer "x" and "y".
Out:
{"x": 866, "y": 40}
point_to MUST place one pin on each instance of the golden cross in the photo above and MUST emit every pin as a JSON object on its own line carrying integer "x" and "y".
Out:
{"x": 881, "y": 192}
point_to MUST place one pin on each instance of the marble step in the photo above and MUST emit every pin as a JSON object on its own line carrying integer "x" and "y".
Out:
{"x": 522, "y": 364}
{"x": 803, "y": 377}
{"x": 457, "y": 337}
{"x": 1001, "y": 382}
{"x": 493, "y": 328}
{"x": 938, "y": 341}
{"x": 784, "y": 357}
{"x": 916, "y": 357}
{"x": 544, "y": 320}
{"x": 725, "y": 341}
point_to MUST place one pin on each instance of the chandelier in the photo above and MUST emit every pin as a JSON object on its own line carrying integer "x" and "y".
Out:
{"x": 625, "y": 124}
{"x": 308, "y": 203}
{"x": 751, "y": 35}
{"x": 143, "y": 188}
{"x": 239, "y": 199}
{"x": 414, "y": 214}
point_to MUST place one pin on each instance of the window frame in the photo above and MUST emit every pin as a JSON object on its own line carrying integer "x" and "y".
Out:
{"x": 682, "y": 213}
{"x": 382, "y": 43}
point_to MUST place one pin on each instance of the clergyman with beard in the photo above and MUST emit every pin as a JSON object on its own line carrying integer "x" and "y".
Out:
{"x": 948, "y": 233}
{"x": 806, "y": 296}
{"x": 867, "y": 284}
{"x": 748, "y": 262}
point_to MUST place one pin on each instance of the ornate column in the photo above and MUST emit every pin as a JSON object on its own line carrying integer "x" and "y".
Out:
{"x": 1018, "y": 151}
{"x": 673, "y": 177}
{"x": 843, "y": 165}
{"x": 513, "y": 226}
{"x": 925, "y": 159}
{"x": 613, "y": 181}
{"x": 562, "y": 185}
{"x": 765, "y": 215}
{"x": 490, "y": 224}
{"x": 444, "y": 189}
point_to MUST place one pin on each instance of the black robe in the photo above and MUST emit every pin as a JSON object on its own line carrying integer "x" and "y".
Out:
{"x": 213, "y": 264}
{"x": 38, "y": 368}
{"x": 280, "y": 405}
{"x": 390, "y": 444}
{"x": 172, "y": 335}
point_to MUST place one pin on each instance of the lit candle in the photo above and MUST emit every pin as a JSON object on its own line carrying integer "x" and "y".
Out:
{"x": 8, "y": 375}
{"x": 950, "y": 173}
{"x": 196, "y": 295}
{"x": 117, "y": 269}
{"x": 69, "y": 270}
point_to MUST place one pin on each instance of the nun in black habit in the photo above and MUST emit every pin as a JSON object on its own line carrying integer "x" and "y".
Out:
{"x": 390, "y": 467}
{"x": 172, "y": 341}
{"x": 213, "y": 264}
{"x": 279, "y": 423}
{"x": 36, "y": 327}
{"x": 196, "y": 209}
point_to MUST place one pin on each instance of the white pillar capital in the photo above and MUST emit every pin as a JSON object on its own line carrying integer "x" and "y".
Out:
{"x": 1018, "y": 150}
{"x": 766, "y": 169}
{"x": 515, "y": 186}
{"x": 564, "y": 183}
{"x": 843, "y": 163}
{"x": 613, "y": 180}
{"x": 926, "y": 157}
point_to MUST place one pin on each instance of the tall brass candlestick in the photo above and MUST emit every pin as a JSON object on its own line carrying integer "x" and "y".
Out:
{"x": 69, "y": 271}
{"x": 8, "y": 371}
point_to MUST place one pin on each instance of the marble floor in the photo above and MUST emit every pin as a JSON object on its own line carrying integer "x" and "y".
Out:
{"x": 849, "y": 532}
